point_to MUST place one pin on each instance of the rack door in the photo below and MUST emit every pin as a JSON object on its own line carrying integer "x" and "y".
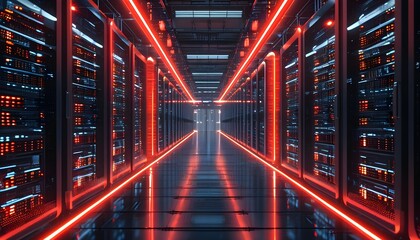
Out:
{"x": 372, "y": 94}
{"x": 28, "y": 86}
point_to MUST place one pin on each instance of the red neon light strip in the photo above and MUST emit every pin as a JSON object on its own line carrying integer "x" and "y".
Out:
{"x": 274, "y": 207}
{"x": 345, "y": 217}
{"x": 79, "y": 216}
{"x": 274, "y": 125}
{"x": 257, "y": 46}
{"x": 151, "y": 36}
{"x": 151, "y": 213}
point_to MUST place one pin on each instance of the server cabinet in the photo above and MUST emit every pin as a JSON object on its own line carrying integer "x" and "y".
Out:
{"x": 138, "y": 75}
{"x": 160, "y": 105}
{"x": 248, "y": 110}
{"x": 165, "y": 120}
{"x": 291, "y": 98}
{"x": 320, "y": 87}
{"x": 261, "y": 107}
{"x": 121, "y": 85}
{"x": 86, "y": 102}
{"x": 254, "y": 111}
{"x": 29, "y": 184}
{"x": 242, "y": 124}
{"x": 372, "y": 175}
{"x": 414, "y": 116}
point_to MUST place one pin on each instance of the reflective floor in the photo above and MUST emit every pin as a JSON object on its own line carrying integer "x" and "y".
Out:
{"x": 210, "y": 189}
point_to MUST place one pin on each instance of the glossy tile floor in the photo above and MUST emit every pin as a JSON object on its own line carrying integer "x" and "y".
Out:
{"x": 210, "y": 189}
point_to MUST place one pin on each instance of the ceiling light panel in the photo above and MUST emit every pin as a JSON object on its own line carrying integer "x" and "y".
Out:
{"x": 207, "y": 82}
{"x": 207, "y": 87}
{"x": 207, "y": 14}
{"x": 207, "y": 74}
{"x": 206, "y": 57}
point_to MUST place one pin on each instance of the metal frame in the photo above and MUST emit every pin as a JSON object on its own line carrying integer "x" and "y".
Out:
{"x": 413, "y": 108}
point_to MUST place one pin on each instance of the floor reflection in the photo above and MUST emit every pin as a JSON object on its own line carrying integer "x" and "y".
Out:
{"x": 210, "y": 189}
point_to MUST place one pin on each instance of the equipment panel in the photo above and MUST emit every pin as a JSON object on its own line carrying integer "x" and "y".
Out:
{"x": 320, "y": 99}
{"x": 290, "y": 94}
{"x": 27, "y": 105}
{"x": 87, "y": 77}
{"x": 371, "y": 70}
{"x": 120, "y": 84}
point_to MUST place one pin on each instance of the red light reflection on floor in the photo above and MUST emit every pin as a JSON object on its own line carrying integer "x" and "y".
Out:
{"x": 55, "y": 233}
{"x": 193, "y": 165}
{"x": 329, "y": 206}
{"x": 151, "y": 204}
{"x": 274, "y": 207}
{"x": 221, "y": 168}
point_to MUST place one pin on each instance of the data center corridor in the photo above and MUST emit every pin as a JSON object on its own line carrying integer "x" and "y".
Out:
{"x": 209, "y": 119}
{"x": 210, "y": 189}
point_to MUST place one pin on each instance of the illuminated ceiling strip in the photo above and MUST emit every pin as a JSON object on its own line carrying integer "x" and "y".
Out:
{"x": 208, "y": 14}
{"x": 207, "y": 87}
{"x": 79, "y": 216}
{"x": 151, "y": 36}
{"x": 272, "y": 54}
{"x": 256, "y": 47}
{"x": 207, "y": 82}
{"x": 306, "y": 190}
{"x": 207, "y": 57}
{"x": 207, "y": 74}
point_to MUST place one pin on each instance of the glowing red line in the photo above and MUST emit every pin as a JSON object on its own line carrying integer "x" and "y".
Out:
{"x": 117, "y": 188}
{"x": 254, "y": 49}
{"x": 184, "y": 192}
{"x": 153, "y": 121}
{"x": 272, "y": 54}
{"x": 274, "y": 207}
{"x": 221, "y": 167}
{"x": 151, "y": 217}
{"x": 161, "y": 50}
{"x": 318, "y": 198}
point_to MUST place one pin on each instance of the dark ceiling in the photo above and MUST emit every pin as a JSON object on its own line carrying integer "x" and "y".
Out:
{"x": 205, "y": 35}
{"x": 208, "y": 36}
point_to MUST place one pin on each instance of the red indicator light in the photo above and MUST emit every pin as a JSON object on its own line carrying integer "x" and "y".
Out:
{"x": 73, "y": 8}
{"x": 329, "y": 23}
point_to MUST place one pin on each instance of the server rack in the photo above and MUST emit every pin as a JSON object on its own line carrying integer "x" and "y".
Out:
{"x": 29, "y": 184}
{"x": 167, "y": 112}
{"x": 85, "y": 67}
{"x": 138, "y": 65}
{"x": 320, "y": 87}
{"x": 414, "y": 116}
{"x": 160, "y": 115}
{"x": 373, "y": 163}
{"x": 254, "y": 111}
{"x": 291, "y": 98}
{"x": 172, "y": 104}
{"x": 248, "y": 115}
{"x": 261, "y": 107}
{"x": 243, "y": 113}
{"x": 121, "y": 84}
